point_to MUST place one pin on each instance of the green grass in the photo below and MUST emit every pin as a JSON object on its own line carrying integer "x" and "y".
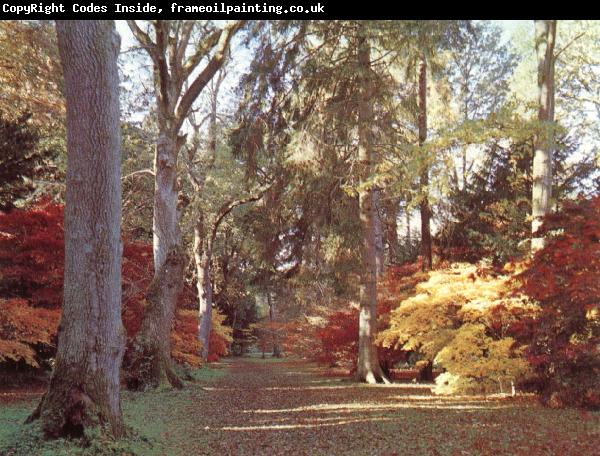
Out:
{"x": 149, "y": 416}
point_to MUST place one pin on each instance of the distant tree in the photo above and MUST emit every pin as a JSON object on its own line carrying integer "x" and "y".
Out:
{"x": 85, "y": 386}
{"x": 480, "y": 70}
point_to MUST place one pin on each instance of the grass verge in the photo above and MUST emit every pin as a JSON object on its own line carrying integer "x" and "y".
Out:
{"x": 152, "y": 417}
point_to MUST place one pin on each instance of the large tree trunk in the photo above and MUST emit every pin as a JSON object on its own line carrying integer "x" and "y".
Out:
{"x": 84, "y": 388}
{"x": 149, "y": 361}
{"x": 424, "y": 178}
{"x": 176, "y": 91}
{"x": 545, "y": 36}
{"x": 368, "y": 368}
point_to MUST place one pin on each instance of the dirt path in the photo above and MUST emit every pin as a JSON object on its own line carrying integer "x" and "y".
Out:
{"x": 276, "y": 408}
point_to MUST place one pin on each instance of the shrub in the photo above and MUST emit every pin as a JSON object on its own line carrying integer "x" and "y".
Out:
{"x": 465, "y": 320}
{"x": 564, "y": 277}
{"x": 31, "y": 287}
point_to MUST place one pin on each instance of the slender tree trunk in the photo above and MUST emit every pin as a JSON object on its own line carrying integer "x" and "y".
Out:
{"x": 202, "y": 258}
{"x": 276, "y": 348}
{"x": 545, "y": 37}
{"x": 368, "y": 368}
{"x": 84, "y": 388}
{"x": 424, "y": 178}
{"x": 203, "y": 244}
{"x": 408, "y": 231}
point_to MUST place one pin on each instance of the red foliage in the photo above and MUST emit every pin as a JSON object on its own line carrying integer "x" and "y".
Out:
{"x": 564, "y": 277}
{"x": 31, "y": 269}
{"x": 32, "y": 255}
{"x": 338, "y": 339}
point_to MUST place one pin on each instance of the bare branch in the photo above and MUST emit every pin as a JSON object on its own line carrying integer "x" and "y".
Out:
{"x": 147, "y": 171}
{"x": 144, "y": 39}
{"x": 207, "y": 73}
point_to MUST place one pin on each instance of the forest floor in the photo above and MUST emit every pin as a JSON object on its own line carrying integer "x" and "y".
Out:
{"x": 247, "y": 406}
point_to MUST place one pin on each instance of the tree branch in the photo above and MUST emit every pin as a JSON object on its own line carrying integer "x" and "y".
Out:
{"x": 207, "y": 73}
{"x": 231, "y": 205}
{"x": 141, "y": 171}
{"x": 144, "y": 39}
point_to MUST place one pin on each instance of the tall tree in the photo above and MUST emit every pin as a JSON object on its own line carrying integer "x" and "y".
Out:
{"x": 177, "y": 48}
{"x": 480, "y": 71}
{"x": 368, "y": 368}
{"x": 424, "y": 207}
{"x": 85, "y": 384}
{"x": 545, "y": 38}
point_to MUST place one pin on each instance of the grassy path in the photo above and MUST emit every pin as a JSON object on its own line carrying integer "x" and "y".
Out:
{"x": 265, "y": 407}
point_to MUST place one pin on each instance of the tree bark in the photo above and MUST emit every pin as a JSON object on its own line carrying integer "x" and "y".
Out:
{"x": 391, "y": 228}
{"x": 84, "y": 388}
{"x": 202, "y": 258}
{"x": 545, "y": 37}
{"x": 424, "y": 178}
{"x": 368, "y": 368}
{"x": 173, "y": 69}
{"x": 379, "y": 233}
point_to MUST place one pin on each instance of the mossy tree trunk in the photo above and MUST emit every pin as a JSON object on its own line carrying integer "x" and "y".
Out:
{"x": 84, "y": 388}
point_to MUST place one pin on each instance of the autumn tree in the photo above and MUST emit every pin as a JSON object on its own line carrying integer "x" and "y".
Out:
{"x": 177, "y": 50}
{"x": 563, "y": 278}
{"x": 85, "y": 384}
{"x": 31, "y": 76}
{"x": 32, "y": 87}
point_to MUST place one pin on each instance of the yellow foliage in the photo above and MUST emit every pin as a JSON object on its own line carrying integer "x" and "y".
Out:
{"x": 221, "y": 330}
{"x": 185, "y": 346}
{"x": 459, "y": 319}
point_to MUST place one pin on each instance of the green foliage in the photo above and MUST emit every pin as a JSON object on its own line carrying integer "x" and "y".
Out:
{"x": 488, "y": 215}
{"x": 21, "y": 160}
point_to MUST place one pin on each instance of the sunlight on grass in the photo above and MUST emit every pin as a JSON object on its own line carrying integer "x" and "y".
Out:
{"x": 151, "y": 418}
